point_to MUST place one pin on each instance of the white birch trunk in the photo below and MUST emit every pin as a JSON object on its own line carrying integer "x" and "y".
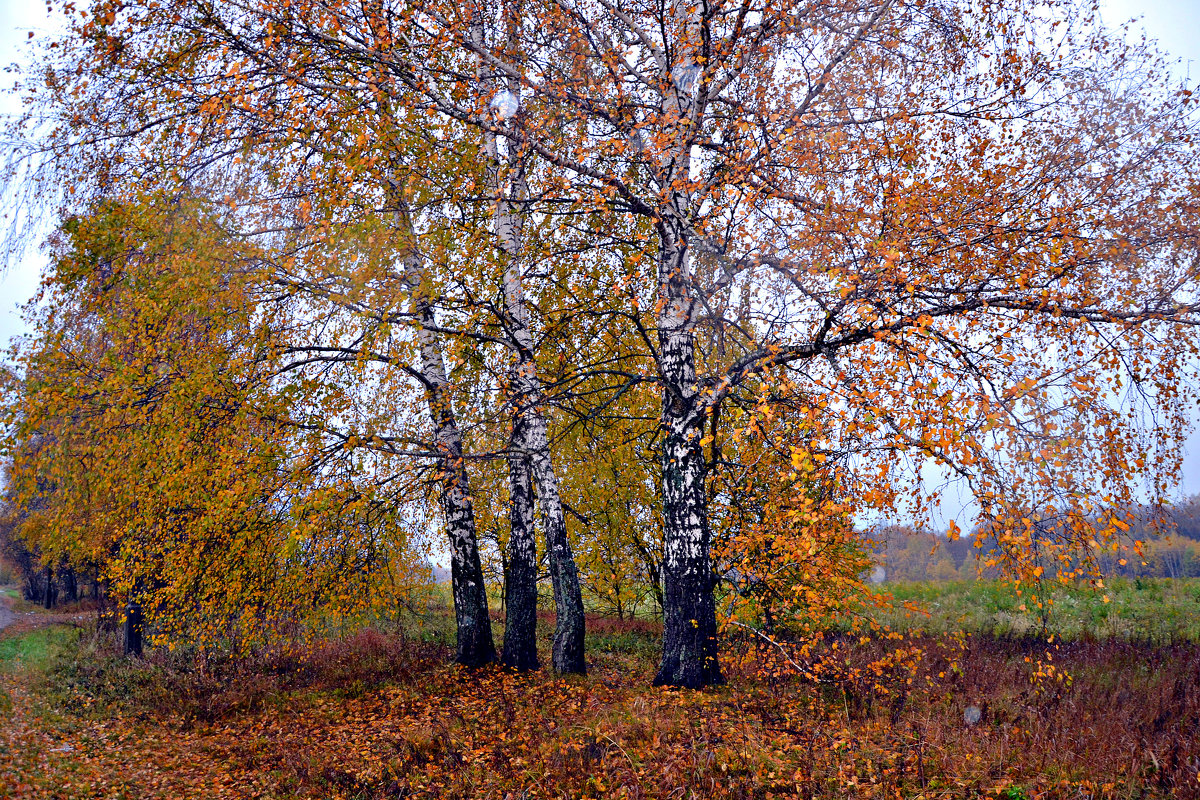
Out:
{"x": 520, "y": 574}
{"x": 531, "y": 439}
{"x": 534, "y": 441}
{"x": 689, "y": 627}
{"x": 475, "y": 646}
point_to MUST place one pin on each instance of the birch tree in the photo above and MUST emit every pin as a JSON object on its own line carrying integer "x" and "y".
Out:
{"x": 506, "y": 182}
{"x": 475, "y": 646}
{"x": 904, "y": 207}
{"x": 965, "y": 233}
{"x": 249, "y": 109}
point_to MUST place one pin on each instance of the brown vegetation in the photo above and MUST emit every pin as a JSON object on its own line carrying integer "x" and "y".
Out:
{"x": 379, "y": 716}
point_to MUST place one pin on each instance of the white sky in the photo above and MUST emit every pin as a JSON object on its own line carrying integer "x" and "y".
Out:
{"x": 17, "y": 281}
{"x": 1174, "y": 23}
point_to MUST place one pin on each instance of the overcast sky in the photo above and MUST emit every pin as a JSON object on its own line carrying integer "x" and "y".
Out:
{"x": 1175, "y": 24}
{"x": 17, "y": 281}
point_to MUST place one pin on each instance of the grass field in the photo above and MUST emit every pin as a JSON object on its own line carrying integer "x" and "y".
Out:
{"x": 993, "y": 714}
{"x": 36, "y": 650}
{"x": 1156, "y": 610}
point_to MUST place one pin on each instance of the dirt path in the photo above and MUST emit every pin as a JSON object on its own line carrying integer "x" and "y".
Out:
{"x": 7, "y": 617}
{"x": 23, "y": 622}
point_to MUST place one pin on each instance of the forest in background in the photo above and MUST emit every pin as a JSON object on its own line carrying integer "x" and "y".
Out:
{"x": 1170, "y": 549}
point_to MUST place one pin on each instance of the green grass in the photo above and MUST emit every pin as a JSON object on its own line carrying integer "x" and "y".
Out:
{"x": 37, "y": 650}
{"x": 30, "y": 656}
{"x": 16, "y": 600}
{"x": 1156, "y": 610}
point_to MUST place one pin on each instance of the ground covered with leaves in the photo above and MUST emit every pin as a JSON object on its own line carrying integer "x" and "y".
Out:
{"x": 379, "y": 715}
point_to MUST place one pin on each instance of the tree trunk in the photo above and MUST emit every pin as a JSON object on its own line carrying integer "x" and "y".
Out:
{"x": 689, "y": 626}
{"x": 534, "y": 443}
{"x": 689, "y": 611}
{"x": 528, "y": 398}
{"x": 475, "y": 645}
{"x": 568, "y": 595}
{"x": 520, "y": 577}
{"x": 33, "y": 593}
{"x": 48, "y": 597}
{"x": 474, "y": 635}
{"x": 134, "y": 623}
{"x": 70, "y": 585}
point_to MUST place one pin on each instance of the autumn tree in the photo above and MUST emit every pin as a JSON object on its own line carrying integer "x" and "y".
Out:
{"x": 965, "y": 231}
{"x": 300, "y": 130}
{"x": 23, "y": 560}
{"x": 90, "y": 427}
{"x": 784, "y": 540}
{"x": 333, "y": 208}
{"x": 531, "y": 460}
{"x": 602, "y": 415}
{"x": 153, "y": 419}
{"x": 963, "y": 234}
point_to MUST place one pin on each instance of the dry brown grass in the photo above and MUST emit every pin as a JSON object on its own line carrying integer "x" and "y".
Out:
{"x": 378, "y": 716}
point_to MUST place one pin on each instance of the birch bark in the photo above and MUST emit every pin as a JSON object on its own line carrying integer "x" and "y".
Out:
{"x": 475, "y": 646}
{"x": 531, "y": 441}
{"x": 689, "y": 627}
{"x": 520, "y": 576}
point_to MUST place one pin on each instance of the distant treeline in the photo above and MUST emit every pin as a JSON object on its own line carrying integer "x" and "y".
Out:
{"x": 1170, "y": 549}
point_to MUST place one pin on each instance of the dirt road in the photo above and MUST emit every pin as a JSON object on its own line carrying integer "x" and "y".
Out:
{"x": 7, "y": 617}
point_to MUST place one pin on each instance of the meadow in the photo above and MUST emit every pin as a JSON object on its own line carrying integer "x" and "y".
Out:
{"x": 1149, "y": 610}
{"x": 968, "y": 699}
